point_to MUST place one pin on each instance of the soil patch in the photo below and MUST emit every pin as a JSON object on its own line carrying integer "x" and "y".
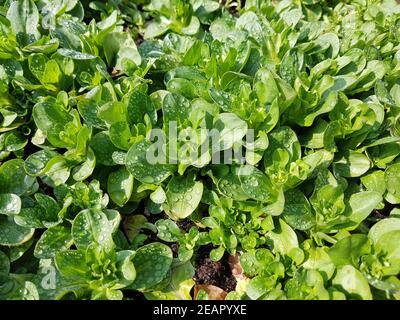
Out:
{"x": 185, "y": 225}
{"x": 217, "y": 273}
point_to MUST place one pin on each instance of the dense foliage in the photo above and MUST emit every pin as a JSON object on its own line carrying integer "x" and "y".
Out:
{"x": 309, "y": 210}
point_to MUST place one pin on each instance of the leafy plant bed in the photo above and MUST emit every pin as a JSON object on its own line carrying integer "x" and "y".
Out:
{"x": 199, "y": 149}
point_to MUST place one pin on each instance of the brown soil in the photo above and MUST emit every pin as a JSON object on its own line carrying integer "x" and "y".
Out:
{"x": 217, "y": 273}
{"x": 185, "y": 225}
{"x": 377, "y": 215}
{"x": 175, "y": 248}
{"x": 139, "y": 40}
{"x": 384, "y": 213}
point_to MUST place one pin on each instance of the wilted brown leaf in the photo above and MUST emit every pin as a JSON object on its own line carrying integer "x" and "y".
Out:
{"x": 236, "y": 268}
{"x": 213, "y": 292}
{"x": 115, "y": 72}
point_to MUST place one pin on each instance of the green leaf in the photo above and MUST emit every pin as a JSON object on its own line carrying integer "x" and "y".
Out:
{"x": 103, "y": 148}
{"x": 168, "y": 230}
{"x": 324, "y": 107}
{"x": 120, "y": 135}
{"x": 44, "y": 213}
{"x": 217, "y": 253}
{"x": 351, "y": 282}
{"x": 13, "y": 234}
{"x": 297, "y": 211}
{"x": 84, "y": 170}
{"x": 361, "y": 205}
{"x": 254, "y": 262}
{"x": 154, "y": 29}
{"x": 352, "y": 164}
{"x": 71, "y": 263}
{"x": 347, "y": 251}
{"x": 282, "y": 138}
{"x": 51, "y": 118}
{"x": 4, "y": 264}
{"x": 231, "y": 130}
{"x": 67, "y": 31}
{"x": 88, "y": 109}
{"x": 36, "y": 163}
{"x": 112, "y": 112}
{"x": 152, "y": 263}
{"x": 10, "y": 204}
{"x": 256, "y": 184}
{"x": 388, "y": 245}
{"x": 283, "y": 238}
{"x": 56, "y": 171}
{"x": 318, "y": 259}
{"x": 92, "y": 226}
{"x": 183, "y": 195}
{"x": 120, "y": 186}
{"x": 138, "y": 104}
{"x": 265, "y": 86}
{"x": 13, "y": 178}
{"x": 76, "y": 55}
{"x": 382, "y": 227}
{"x": 158, "y": 196}
{"x": 24, "y": 18}
{"x": 53, "y": 240}
{"x": 119, "y": 46}
{"x": 392, "y": 178}
{"x": 124, "y": 260}
{"x": 374, "y": 181}
{"x": 259, "y": 286}
{"x": 138, "y": 165}
{"x": 175, "y": 108}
